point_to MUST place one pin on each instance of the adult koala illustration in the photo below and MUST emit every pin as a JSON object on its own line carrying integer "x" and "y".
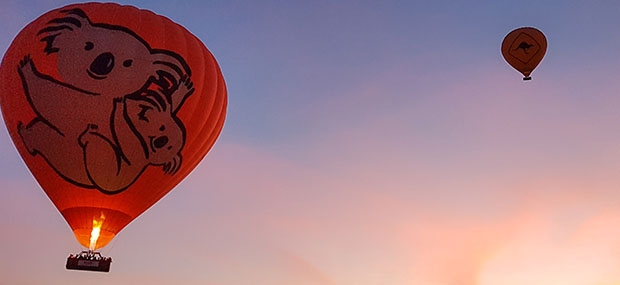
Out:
{"x": 113, "y": 109}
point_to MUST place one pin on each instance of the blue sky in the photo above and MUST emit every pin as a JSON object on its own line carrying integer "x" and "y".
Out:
{"x": 369, "y": 142}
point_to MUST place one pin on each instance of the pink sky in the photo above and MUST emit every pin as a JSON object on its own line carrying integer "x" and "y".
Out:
{"x": 370, "y": 143}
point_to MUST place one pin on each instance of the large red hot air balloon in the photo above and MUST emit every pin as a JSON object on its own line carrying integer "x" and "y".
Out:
{"x": 110, "y": 107}
{"x": 524, "y": 48}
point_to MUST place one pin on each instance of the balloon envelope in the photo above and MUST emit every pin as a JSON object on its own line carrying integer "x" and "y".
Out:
{"x": 523, "y": 49}
{"x": 110, "y": 107}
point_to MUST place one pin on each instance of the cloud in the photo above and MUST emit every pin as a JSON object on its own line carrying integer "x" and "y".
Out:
{"x": 545, "y": 252}
{"x": 362, "y": 216}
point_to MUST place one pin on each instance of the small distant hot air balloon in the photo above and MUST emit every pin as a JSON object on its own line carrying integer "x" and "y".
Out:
{"x": 523, "y": 49}
{"x": 110, "y": 107}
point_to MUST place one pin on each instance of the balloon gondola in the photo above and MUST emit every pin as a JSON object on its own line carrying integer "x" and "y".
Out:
{"x": 110, "y": 107}
{"x": 89, "y": 260}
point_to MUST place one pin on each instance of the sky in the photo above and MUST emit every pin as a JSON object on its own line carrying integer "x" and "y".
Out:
{"x": 369, "y": 142}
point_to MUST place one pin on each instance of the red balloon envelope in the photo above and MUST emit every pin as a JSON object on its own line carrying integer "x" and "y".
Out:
{"x": 524, "y": 48}
{"x": 110, "y": 107}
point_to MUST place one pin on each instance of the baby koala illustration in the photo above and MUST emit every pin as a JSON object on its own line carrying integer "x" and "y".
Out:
{"x": 112, "y": 86}
{"x": 145, "y": 131}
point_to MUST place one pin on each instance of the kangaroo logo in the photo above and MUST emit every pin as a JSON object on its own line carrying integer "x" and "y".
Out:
{"x": 524, "y": 46}
{"x": 113, "y": 110}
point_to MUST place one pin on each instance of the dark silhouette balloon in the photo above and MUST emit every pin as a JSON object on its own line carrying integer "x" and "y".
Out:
{"x": 523, "y": 49}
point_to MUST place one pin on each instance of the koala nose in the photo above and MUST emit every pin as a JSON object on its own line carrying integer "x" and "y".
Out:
{"x": 160, "y": 142}
{"x": 103, "y": 64}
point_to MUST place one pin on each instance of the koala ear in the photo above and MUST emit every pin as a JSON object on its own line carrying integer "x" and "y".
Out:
{"x": 74, "y": 19}
{"x": 169, "y": 68}
{"x": 172, "y": 75}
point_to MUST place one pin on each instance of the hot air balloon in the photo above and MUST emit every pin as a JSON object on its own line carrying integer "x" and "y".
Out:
{"x": 110, "y": 107}
{"x": 523, "y": 49}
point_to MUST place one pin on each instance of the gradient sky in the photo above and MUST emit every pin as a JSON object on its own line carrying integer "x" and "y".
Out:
{"x": 369, "y": 142}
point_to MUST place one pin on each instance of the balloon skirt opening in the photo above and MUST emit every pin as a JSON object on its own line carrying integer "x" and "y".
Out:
{"x": 83, "y": 236}
{"x": 80, "y": 219}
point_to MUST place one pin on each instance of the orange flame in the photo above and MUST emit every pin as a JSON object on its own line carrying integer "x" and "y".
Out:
{"x": 94, "y": 234}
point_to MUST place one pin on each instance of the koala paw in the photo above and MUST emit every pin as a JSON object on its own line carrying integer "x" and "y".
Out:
{"x": 26, "y": 135}
{"x": 186, "y": 86}
{"x": 85, "y": 136}
{"x": 26, "y": 61}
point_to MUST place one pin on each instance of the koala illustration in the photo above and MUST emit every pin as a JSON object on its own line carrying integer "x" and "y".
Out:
{"x": 113, "y": 109}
